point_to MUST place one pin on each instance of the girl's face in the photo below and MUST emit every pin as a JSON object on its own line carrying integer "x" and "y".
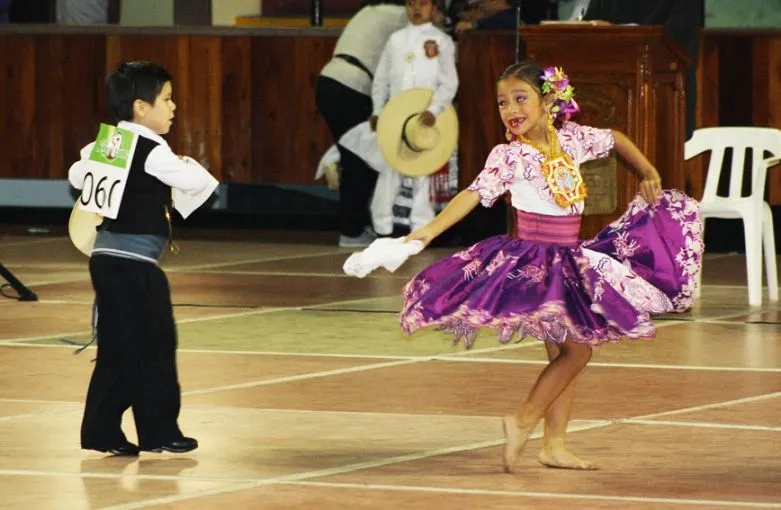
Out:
{"x": 158, "y": 116}
{"x": 420, "y": 11}
{"x": 521, "y": 107}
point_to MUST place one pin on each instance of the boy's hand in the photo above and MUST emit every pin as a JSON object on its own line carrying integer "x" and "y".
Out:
{"x": 422, "y": 234}
{"x": 427, "y": 118}
{"x": 373, "y": 122}
{"x": 651, "y": 187}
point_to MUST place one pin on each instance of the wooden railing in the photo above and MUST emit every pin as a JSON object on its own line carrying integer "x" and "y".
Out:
{"x": 246, "y": 96}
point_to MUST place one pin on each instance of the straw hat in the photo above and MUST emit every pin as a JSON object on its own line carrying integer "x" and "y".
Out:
{"x": 82, "y": 228}
{"x": 410, "y": 147}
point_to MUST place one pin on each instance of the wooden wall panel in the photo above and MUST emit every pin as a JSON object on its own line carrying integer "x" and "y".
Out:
{"x": 20, "y": 114}
{"x": 738, "y": 81}
{"x": 237, "y": 109}
{"x": 4, "y": 124}
{"x": 83, "y": 80}
{"x": 49, "y": 119}
{"x": 480, "y": 62}
{"x": 293, "y": 135}
{"x": 246, "y": 98}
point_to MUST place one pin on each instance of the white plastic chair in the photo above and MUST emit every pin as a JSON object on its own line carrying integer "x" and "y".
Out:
{"x": 752, "y": 209}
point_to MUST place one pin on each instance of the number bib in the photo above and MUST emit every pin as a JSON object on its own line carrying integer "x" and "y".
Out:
{"x": 107, "y": 170}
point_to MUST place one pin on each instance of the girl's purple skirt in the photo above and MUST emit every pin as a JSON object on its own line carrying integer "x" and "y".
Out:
{"x": 546, "y": 283}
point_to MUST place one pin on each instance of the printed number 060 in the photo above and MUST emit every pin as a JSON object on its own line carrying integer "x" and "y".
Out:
{"x": 98, "y": 191}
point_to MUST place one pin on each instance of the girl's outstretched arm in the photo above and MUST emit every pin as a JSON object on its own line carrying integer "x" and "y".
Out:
{"x": 461, "y": 205}
{"x": 651, "y": 185}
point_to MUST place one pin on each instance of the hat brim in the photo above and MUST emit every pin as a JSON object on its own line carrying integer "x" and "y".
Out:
{"x": 390, "y": 125}
{"x": 82, "y": 228}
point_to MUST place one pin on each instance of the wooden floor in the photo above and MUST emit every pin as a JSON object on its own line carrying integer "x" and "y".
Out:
{"x": 304, "y": 394}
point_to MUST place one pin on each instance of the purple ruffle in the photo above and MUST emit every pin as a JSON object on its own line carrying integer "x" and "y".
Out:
{"x": 554, "y": 293}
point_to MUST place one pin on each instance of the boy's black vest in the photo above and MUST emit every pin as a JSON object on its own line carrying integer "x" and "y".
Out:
{"x": 145, "y": 200}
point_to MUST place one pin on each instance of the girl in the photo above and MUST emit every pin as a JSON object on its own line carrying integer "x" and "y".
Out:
{"x": 544, "y": 282}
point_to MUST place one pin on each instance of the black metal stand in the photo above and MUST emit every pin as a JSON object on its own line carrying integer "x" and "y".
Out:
{"x": 520, "y": 47}
{"x": 316, "y": 13}
{"x": 24, "y": 293}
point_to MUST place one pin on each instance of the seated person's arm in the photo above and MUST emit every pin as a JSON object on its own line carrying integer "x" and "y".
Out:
{"x": 504, "y": 20}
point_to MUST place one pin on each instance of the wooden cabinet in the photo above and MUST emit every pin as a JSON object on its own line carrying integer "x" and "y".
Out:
{"x": 625, "y": 78}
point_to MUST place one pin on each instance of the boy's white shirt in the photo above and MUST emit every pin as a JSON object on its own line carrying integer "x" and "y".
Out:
{"x": 396, "y": 74}
{"x": 191, "y": 183}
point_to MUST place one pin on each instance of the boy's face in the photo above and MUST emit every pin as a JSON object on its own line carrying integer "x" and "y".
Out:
{"x": 420, "y": 11}
{"x": 158, "y": 116}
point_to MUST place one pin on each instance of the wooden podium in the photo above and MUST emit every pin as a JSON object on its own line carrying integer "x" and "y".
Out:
{"x": 628, "y": 78}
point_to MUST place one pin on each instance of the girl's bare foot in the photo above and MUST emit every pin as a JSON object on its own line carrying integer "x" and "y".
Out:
{"x": 559, "y": 457}
{"x": 515, "y": 439}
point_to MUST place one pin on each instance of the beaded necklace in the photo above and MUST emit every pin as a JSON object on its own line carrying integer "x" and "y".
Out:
{"x": 562, "y": 175}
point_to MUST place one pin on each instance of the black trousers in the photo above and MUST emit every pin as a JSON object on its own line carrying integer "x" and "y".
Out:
{"x": 344, "y": 108}
{"x": 136, "y": 361}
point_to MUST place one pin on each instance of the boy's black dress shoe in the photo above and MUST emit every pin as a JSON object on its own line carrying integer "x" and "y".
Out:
{"x": 127, "y": 449}
{"x": 183, "y": 445}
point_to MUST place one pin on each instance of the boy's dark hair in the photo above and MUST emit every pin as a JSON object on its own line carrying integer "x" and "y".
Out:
{"x": 131, "y": 81}
{"x": 528, "y": 71}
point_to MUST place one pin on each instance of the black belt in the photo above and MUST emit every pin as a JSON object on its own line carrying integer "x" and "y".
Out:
{"x": 354, "y": 61}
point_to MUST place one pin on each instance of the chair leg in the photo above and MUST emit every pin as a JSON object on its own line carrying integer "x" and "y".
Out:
{"x": 769, "y": 245}
{"x": 753, "y": 233}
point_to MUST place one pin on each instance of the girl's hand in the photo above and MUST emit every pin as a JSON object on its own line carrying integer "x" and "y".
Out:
{"x": 651, "y": 187}
{"x": 423, "y": 234}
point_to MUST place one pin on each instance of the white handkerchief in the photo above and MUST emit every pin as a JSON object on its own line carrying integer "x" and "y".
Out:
{"x": 386, "y": 252}
{"x": 330, "y": 156}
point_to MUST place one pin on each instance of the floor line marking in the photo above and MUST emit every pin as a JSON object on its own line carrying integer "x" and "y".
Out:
{"x": 32, "y": 241}
{"x": 306, "y": 274}
{"x": 299, "y": 477}
{"x": 324, "y": 373}
{"x": 532, "y": 494}
{"x": 714, "y": 405}
{"x": 626, "y": 365}
{"x": 700, "y": 424}
{"x": 316, "y": 473}
{"x": 275, "y": 258}
{"x": 184, "y": 269}
{"x": 259, "y": 311}
{"x": 70, "y": 407}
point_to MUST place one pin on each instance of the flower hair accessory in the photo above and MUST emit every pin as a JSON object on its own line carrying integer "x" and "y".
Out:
{"x": 555, "y": 84}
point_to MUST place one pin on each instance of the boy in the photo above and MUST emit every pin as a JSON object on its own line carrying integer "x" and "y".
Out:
{"x": 136, "y": 359}
{"x": 417, "y": 56}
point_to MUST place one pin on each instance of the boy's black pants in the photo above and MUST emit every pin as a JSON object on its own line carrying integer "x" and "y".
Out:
{"x": 136, "y": 360}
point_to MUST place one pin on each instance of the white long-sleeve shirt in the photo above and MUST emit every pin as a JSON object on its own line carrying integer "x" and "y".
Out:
{"x": 192, "y": 184}
{"x": 417, "y": 56}
{"x": 363, "y": 38}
